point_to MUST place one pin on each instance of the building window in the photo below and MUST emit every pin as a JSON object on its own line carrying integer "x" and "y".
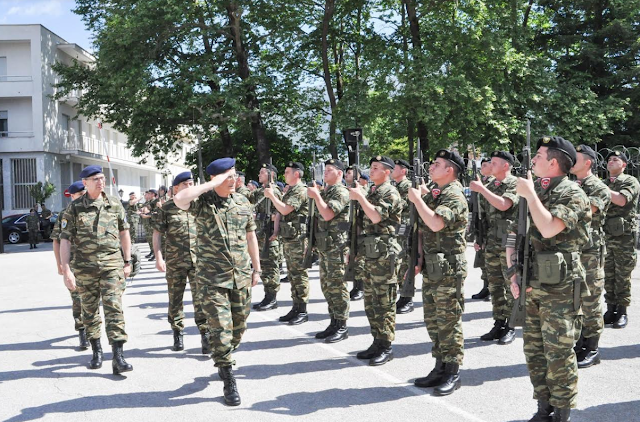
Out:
{"x": 4, "y": 124}
{"x": 144, "y": 183}
{"x": 3, "y": 69}
{"x": 24, "y": 175}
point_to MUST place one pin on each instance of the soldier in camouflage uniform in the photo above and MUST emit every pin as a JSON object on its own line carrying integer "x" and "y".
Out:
{"x": 33, "y": 226}
{"x": 332, "y": 204}
{"x": 377, "y": 244}
{"x": 227, "y": 248}
{"x": 357, "y": 292}
{"x": 479, "y": 261}
{"x": 592, "y": 257}
{"x": 443, "y": 222}
{"x": 76, "y": 190}
{"x": 294, "y": 210}
{"x": 364, "y": 181}
{"x": 560, "y": 217}
{"x": 399, "y": 176}
{"x": 45, "y": 215}
{"x": 175, "y": 234}
{"x": 271, "y": 265}
{"x": 148, "y": 215}
{"x": 97, "y": 226}
{"x": 133, "y": 217}
{"x": 620, "y": 231}
{"x": 500, "y": 204}
{"x": 240, "y": 187}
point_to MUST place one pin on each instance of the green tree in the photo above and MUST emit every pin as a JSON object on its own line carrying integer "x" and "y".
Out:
{"x": 41, "y": 192}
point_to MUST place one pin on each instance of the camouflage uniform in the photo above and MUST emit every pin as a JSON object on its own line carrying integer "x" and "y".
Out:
{"x": 552, "y": 310}
{"x": 179, "y": 251}
{"x": 46, "y": 215}
{"x": 148, "y": 223}
{"x": 134, "y": 220}
{"x": 403, "y": 190}
{"x": 243, "y": 190}
{"x": 294, "y": 241}
{"x": 33, "y": 225}
{"x": 223, "y": 270}
{"x": 330, "y": 243}
{"x": 480, "y": 261}
{"x": 94, "y": 227}
{"x": 271, "y": 265}
{"x": 442, "y": 296}
{"x": 621, "y": 246}
{"x": 379, "y": 249}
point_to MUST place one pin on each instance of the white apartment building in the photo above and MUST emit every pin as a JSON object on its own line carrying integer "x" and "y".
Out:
{"x": 42, "y": 139}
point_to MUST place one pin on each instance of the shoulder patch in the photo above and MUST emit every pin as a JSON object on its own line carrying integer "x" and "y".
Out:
{"x": 63, "y": 224}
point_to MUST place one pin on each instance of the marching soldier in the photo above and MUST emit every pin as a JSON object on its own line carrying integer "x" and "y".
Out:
{"x": 294, "y": 210}
{"x": 364, "y": 181}
{"x": 377, "y": 244}
{"x": 227, "y": 248}
{"x": 620, "y": 232}
{"x": 592, "y": 257}
{"x": 148, "y": 215}
{"x": 33, "y": 227}
{"x": 487, "y": 179}
{"x": 133, "y": 217}
{"x": 97, "y": 226}
{"x": 501, "y": 209}
{"x": 332, "y": 204}
{"x": 357, "y": 291}
{"x": 560, "y": 217}
{"x": 444, "y": 216}
{"x": 175, "y": 233}
{"x": 399, "y": 175}
{"x": 240, "y": 187}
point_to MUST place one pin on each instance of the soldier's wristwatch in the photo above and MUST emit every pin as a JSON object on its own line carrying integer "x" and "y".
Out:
{"x": 127, "y": 261}
{"x": 257, "y": 272}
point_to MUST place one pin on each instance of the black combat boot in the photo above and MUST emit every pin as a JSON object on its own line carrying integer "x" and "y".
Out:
{"x": 327, "y": 331}
{"x": 118, "y": 363}
{"x": 384, "y": 354}
{"x": 178, "y": 343}
{"x": 544, "y": 412}
{"x": 370, "y": 352}
{"x": 404, "y": 305}
{"x": 149, "y": 255}
{"x": 152, "y": 258}
{"x": 30, "y": 245}
{"x": 285, "y": 279}
{"x": 204, "y": 341}
{"x": 269, "y": 302}
{"x": 621, "y": 317}
{"x": 230, "y": 390}
{"x": 496, "y": 331}
{"x": 301, "y": 317}
{"x": 450, "y": 380}
{"x": 96, "y": 359}
{"x": 82, "y": 338}
{"x": 357, "y": 293}
{"x": 561, "y": 415}
{"x": 290, "y": 315}
{"x": 482, "y": 294}
{"x": 508, "y": 334}
{"x": 434, "y": 378}
{"x": 261, "y": 303}
{"x": 579, "y": 347}
{"x": 590, "y": 355}
{"x": 610, "y": 315}
{"x": 341, "y": 332}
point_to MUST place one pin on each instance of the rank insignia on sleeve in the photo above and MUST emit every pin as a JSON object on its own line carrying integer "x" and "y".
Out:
{"x": 63, "y": 224}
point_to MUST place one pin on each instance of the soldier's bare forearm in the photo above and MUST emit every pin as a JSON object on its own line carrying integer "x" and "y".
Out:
{"x": 157, "y": 243}
{"x": 183, "y": 198}
{"x": 125, "y": 243}
{"x": 254, "y": 250}
{"x": 65, "y": 254}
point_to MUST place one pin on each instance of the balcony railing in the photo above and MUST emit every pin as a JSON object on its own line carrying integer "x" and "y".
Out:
{"x": 72, "y": 97}
{"x": 73, "y": 143}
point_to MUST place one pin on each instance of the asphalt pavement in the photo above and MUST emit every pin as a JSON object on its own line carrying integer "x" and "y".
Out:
{"x": 283, "y": 372}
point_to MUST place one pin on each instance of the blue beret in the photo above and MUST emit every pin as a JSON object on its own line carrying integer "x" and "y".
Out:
{"x": 90, "y": 171}
{"x": 153, "y": 191}
{"x": 76, "y": 187}
{"x": 184, "y": 176}
{"x": 256, "y": 184}
{"x": 364, "y": 176}
{"x": 220, "y": 165}
{"x": 280, "y": 185}
{"x": 319, "y": 182}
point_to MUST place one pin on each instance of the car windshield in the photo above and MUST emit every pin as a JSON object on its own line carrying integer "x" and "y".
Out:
{"x": 7, "y": 220}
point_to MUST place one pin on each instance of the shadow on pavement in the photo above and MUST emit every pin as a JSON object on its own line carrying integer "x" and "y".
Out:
{"x": 37, "y": 345}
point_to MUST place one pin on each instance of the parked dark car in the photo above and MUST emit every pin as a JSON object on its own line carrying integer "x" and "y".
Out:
{"x": 14, "y": 227}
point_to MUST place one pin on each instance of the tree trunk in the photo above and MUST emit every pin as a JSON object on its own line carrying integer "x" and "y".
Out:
{"x": 329, "y": 8}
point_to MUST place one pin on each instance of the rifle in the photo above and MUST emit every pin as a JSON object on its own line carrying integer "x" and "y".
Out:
{"x": 268, "y": 224}
{"x": 409, "y": 284}
{"x": 522, "y": 244}
{"x": 477, "y": 223}
{"x": 307, "y": 260}
{"x": 350, "y": 271}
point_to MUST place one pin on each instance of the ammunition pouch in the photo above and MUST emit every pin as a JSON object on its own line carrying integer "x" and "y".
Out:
{"x": 324, "y": 241}
{"x": 289, "y": 230}
{"x": 374, "y": 247}
{"x": 552, "y": 268}
{"x": 344, "y": 226}
{"x": 615, "y": 226}
{"x": 501, "y": 231}
{"x": 437, "y": 266}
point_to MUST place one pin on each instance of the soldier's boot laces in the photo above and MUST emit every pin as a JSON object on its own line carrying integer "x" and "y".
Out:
{"x": 590, "y": 355}
{"x": 482, "y": 294}
{"x": 290, "y": 315}
{"x": 450, "y": 380}
{"x": 230, "y": 390}
{"x": 496, "y": 331}
{"x": 434, "y": 378}
{"x": 544, "y": 412}
{"x": 327, "y": 331}
{"x": 96, "y": 359}
{"x": 178, "y": 342}
{"x": 370, "y": 352}
{"x": 357, "y": 293}
{"x": 621, "y": 317}
{"x": 384, "y": 354}
{"x": 301, "y": 317}
{"x": 204, "y": 341}
{"x": 610, "y": 315}
{"x": 341, "y": 332}
{"x": 404, "y": 305}
{"x": 83, "y": 343}
{"x": 561, "y": 415}
{"x": 118, "y": 363}
{"x": 269, "y": 303}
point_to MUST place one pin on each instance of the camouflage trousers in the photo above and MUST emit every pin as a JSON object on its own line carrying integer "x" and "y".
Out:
{"x": 332, "y": 282}
{"x": 176, "y": 284}
{"x": 76, "y": 309}
{"x": 618, "y": 265}
{"x": 294, "y": 253}
{"x": 33, "y": 237}
{"x": 107, "y": 284}
{"x": 133, "y": 229}
{"x": 226, "y": 311}
{"x": 271, "y": 266}
{"x": 549, "y": 336}
{"x": 380, "y": 290}
{"x": 592, "y": 321}
{"x": 443, "y": 317}
{"x": 148, "y": 233}
{"x": 495, "y": 269}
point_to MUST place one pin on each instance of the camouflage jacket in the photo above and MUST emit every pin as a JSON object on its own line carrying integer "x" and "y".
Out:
{"x": 629, "y": 187}
{"x": 498, "y": 222}
{"x": 57, "y": 230}
{"x": 94, "y": 227}
{"x": 337, "y": 199}
{"x": 33, "y": 222}
{"x": 259, "y": 203}
{"x": 450, "y": 203}
{"x": 600, "y": 197}
{"x": 387, "y": 202}
{"x": 132, "y": 211}
{"x": 243, "y": 190}
{"x": 46, "y": 214}
{"x": 222, "y": 226}
{"x": 291, "y": 226}
{"x": 180, "y": 235}
{"x": 403, "y": 190}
